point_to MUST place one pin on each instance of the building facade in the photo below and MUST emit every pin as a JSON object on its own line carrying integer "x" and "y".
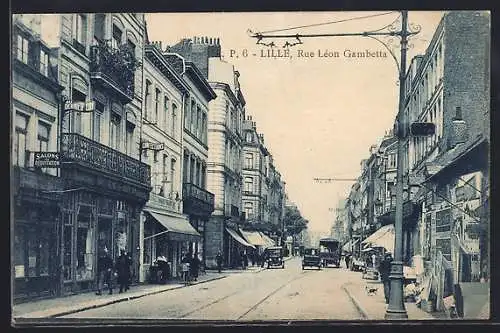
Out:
{"x": 225, "y": 122}
{"x": 449, "y": 86}
{"x": 165, "y": 230}
{"x": 35, "y": 109}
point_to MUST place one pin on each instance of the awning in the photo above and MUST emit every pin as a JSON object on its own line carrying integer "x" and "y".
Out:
{"x": 178, "y": 228}
{"x": 253, "y": 237}
{"x": 238, "y": 238}
{"x": 269, "y": 241}
{"x": 383, "y": 237}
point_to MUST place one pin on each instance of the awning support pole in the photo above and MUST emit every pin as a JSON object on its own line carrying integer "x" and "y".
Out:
{"x": 163, "y": 232}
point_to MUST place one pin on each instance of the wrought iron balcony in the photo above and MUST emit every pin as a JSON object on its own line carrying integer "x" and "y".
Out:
{"x": 191, "y": 191}
{"x": 89, "y": 153}
{"x": 114, "y": 69}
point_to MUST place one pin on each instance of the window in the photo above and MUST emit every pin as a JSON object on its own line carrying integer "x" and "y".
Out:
{"x": 19, "y": 252}
{"x": 198, "y": 123}
{"x": 157, "y": 104}
{"x": 99, "y": 24}
{"x": 204, "y": 134}
{"x": 22, "y": 49}
{"x": 248, "y": 160}
{"x": 147, "y": 99}
{"x": 193, "y": 118}
{"x": 248, "y": 207}
{"x": 20, "y": 157}
{"x": 248, "y": 137}
{"x": 99, "y": 110}
{"x": 185, "y": 168}
{"x": 44, "y": 63}
{"x": 203, "y": 175}
{"x": 131, "y": 47}
{"x": 165, "y": 112}
{"x": 186, "y": 115}
{"x": 443, "y": 221}
{"x": 77, "y": 96}
{"x": 114, "y": 131}
{"x": 81, "y": 28}
{"x": 116, "y": 41}
{"x": 43, "y": 138}
{"x": 172, "y": 175}
{"x": 164, "y": 173}
{"x": 84, "y": 245}
{"x": 130, "y": 138}
{"x": 174, "y": 120}
{"x": 248, "y": 184}
{"x": 191, "y": 170}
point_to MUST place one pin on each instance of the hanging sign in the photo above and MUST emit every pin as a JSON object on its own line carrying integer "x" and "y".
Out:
{"x": 46, "y": 159}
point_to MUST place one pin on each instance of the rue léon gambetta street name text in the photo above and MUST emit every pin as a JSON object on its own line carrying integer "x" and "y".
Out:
{"x": 279, "y": 53}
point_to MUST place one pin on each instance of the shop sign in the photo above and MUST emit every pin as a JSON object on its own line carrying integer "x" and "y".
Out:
{"x": 46, "y": 159}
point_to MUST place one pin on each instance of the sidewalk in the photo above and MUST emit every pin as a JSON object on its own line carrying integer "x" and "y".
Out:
{"x": 374, "y": 307}
{"x": 61, "y": 306}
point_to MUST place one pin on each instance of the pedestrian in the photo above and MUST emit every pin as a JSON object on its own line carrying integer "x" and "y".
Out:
{"x": 245, "y": 260}
{"x": 123, "y": 269}
{"x": 385, "y": 270}
{"x": 185, "y": 267}
{"x": 162, "y": 263}
{"x": 194, "y": 266}
{"x": 105, "y": 270}
{"x": 252, "y": 258}
{"x": 347, "y": 260}
{"x": 218, "y": 260}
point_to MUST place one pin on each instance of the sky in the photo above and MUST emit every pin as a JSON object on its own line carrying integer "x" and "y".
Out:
{"x": 319, "y": 115}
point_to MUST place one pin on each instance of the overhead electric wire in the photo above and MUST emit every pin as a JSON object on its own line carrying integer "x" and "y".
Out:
{"x": 326, "y": 23}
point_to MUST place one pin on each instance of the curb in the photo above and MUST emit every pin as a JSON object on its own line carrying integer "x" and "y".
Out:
{"x": 356, "y": 303}
{"x": 129, "y": 298}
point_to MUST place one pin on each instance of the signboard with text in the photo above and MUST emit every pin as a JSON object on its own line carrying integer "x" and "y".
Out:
{"x": 46, "y": 159}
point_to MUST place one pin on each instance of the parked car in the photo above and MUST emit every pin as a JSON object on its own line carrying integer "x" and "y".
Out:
{"x": 311, "y": 258}
{"x": 274, "y": 257}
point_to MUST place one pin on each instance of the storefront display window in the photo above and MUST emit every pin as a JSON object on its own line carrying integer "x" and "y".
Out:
{"x": 104, "y": 236}
{"x": 67, "y": 252}
{"x": 19, "y": 252}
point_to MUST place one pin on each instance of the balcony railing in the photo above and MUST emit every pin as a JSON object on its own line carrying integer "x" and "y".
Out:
{"x": 115, "y": 67}
{"x": 87, "y": 152}
{"x": 192, "y": 191}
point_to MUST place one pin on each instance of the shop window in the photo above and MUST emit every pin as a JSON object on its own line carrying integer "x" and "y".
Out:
{"x": 121, "y": 234}
{"x": 84, "y": 242}
{"x": 104, "y": 234}
{"x": 19, "y": 252}
{"x": 67, "y": 272}
{"x": 45, "y": 250}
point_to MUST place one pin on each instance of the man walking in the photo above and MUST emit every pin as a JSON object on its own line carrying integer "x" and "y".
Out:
{"x": 123, "y": 268}
{"x": 385, "y": 270}
{"x": 104, "y": 268}
{"x": 218, "y": 260}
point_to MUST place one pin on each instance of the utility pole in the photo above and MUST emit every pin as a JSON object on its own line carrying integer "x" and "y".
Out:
{"x": 396, "y": 309}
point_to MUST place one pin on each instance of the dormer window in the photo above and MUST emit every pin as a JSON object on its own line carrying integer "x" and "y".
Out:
{"x": 81, "y": 29}
{"x": 248, "y": 137}
{"x": 22, "y": 49}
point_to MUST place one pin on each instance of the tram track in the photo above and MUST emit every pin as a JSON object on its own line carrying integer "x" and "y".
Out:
{"x": 253, "y": 307}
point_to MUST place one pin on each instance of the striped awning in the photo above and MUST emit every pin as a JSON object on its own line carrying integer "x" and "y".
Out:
{"x": 238, "y": 238}
{"x": 253, "y": 237}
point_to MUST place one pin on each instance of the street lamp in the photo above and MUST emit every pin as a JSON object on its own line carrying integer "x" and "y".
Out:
{"x": 396, "y": 308}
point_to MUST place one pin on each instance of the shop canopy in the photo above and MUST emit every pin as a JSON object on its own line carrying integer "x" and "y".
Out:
{"x": 349, "y": 245}
{"x": 238, "y": 238}
{"x": 383, "y": 237}
{"x": 268, "y": 240}
{"x": 253, "y": 237}
{"x": 178, "y": 228}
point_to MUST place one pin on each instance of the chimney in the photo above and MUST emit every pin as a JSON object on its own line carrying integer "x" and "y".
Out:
{"x": 458, "y": 131}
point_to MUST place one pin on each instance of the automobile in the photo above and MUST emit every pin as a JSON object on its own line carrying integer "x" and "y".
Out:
{"x": 274, "y": 257}
{"x": 311, "y": 258}
{"x": 357, "y": 265}
{"x": 330, "y": 252}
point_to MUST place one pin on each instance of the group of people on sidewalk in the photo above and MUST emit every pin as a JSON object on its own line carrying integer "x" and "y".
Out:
{"x": 107, "y": 271}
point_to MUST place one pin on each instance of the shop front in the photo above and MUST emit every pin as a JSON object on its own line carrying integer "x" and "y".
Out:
{"x": 236, "y": 246}
{"x": 105, "y": 192}
{"x": 36, "y": 217}
{"x": 169, "y": 235}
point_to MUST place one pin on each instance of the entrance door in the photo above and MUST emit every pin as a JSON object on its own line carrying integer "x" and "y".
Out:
{"x": 466, "y": 268}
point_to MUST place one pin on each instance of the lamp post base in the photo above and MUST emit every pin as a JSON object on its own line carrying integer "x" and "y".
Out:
{"x": 396, "y": 309}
